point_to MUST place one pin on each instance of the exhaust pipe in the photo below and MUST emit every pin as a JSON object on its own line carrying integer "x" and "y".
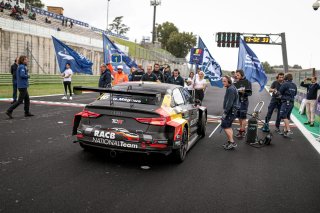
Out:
{"x": 113, "y": 154}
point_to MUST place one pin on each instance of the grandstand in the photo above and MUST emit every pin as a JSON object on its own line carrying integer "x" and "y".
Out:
{"x": 33, "y": 38}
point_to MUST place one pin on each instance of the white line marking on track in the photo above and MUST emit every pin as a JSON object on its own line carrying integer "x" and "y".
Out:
{"x": 214, "y": 130}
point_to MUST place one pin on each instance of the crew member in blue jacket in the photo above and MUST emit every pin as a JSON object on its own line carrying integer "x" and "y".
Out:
{"x": 105, "y": 77}
{"x": 312, "y": 94}
{"x": 245, "y": 90}
{"x": 176, "y": 78}
{"x": 22, "y": 84}
{"x": 230, "y": 107}
{"x": 288, "y": 91}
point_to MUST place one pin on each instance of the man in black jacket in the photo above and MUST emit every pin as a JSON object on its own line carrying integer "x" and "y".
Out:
{"x": 312, "y": 94}
{"x": 230, "y": 106}
{"x": 149, "y": 75}
{"x": 176, "y": 78}
{"x": 244, "y": 88}
{"x": 105, "y": 77}
{"x": 137, "y": 75}
{"x": 13, "y": 71}
{"x": 158, "y": 73}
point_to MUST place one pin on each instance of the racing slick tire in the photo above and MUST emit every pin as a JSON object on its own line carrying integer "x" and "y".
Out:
{"x": 202, "y": 126}
{"x": 180, "y": 154}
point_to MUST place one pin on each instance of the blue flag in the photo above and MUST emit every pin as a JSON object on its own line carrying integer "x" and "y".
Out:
{"x": 210, "y": 66}
{"x": 114, "y": 56}
{"x": 250, "y": 64}
{"x": 65, "y": 54}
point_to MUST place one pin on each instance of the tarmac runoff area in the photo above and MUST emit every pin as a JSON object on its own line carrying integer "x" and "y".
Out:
{"x": 41, "y": 169}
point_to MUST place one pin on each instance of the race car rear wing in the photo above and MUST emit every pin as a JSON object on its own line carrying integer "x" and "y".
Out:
{"x": 77, "y": 90}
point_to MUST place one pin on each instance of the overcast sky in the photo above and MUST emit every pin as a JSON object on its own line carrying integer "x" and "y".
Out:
{"x": 206, "y": 17}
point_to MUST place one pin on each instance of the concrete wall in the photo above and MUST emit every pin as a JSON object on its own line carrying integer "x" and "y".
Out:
{"x": 42, "y": 55}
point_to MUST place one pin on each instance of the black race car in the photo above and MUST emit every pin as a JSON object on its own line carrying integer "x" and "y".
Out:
{"x": 141, "y": 117}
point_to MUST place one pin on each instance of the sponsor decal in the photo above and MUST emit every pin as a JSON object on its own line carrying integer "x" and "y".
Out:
{"x": 117, "y": 121}
{"x": 104, "y": 134}
{"x": 109, "y": 142}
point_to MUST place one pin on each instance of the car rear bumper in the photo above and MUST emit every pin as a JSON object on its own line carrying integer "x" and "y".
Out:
{"x": 141, "y": 148}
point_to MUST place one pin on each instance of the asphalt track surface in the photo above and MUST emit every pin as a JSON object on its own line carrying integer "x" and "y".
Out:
{"x": 41, "y": 170}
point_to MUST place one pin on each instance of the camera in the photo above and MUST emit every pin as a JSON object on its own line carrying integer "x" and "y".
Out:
{"x": 316, "y": 5}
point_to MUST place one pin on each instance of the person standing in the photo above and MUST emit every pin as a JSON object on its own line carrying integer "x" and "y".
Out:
{"x": 137, "y": 75}
{"x": 13, "y": 70}
{"x": 200, "y": 84}
{"x": 149, "y": 75}
{"x": 105, "y": 77}
{"x": 22, "y": 84}
{"x": 120, "y": 76}
{"x": 244, "y": 88}
{"x": 158, "y": 73}
{"x": 233, "y": 77}
{"x": 230, "y": 106}
{"x": 66, "y": 75}
{"x": 167, "y": 73}
{"x": 275, "y": 102}
{"x": 190, "y": 82}
{"x": 176, "y": 78}
{"x": 132, "y": 70}
{"x": 312, "y": 94}
{"x": 288, "y": 91}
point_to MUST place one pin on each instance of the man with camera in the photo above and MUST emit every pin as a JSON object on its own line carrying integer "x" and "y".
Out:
{"x": 275, "y": 103}
{"x": 311, "y": 99}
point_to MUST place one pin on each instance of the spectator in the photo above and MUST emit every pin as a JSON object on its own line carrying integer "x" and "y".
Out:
{"x": 176, "y": 78}
{"x": 233, "y": 76}
{"x": 137, "y": 75}
{"x": 312, "y": 93}
{"x": 71, "y": 24}
{"x": 158, "y": 73}
{"x": 132, "y": 70}
{"x": 7, "y": 6}
{"x": 66, "y": 75}
{"x": 105, "y": 77}
{"x": 13, "y": 70}
{"x": 63, "y": 22}
{"x": 48, "y": 21}
{"x": 58, "y": 29}
{"x": 13, "y": 12}
{"x": 140, "y": 68}
{"x": 190, "y": 82}
{"x": 32, "y": 16}
{"x": 167, "y": 73}
{"x": 149, "y": 76}
{"x": 120, "y": 76}
{"x": 197, "y": 72}
{"x": 22, "y": 84}
{"x": 200, "y": 84}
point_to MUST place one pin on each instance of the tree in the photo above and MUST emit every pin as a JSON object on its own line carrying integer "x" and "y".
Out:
{"x": 267, "y": 68}
{"x": 179, "y": 44}
{"x": 163, "y": 33}
{"x": 35, "y": 3}
{"x": 118, "y": 27}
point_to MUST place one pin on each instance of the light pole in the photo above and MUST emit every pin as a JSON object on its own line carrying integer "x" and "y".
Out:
{"x": 108, "y": 16}
{"x": 154, "y": 3}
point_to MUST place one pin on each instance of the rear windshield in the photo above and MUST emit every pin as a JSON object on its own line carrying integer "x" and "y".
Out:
{"x": 132, "y": 99}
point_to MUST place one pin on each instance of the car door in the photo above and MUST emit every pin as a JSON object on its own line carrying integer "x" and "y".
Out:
{"x": 193, "y": 111}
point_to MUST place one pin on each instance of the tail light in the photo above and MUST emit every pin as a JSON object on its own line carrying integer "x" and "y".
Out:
{"x": 88, "y": 114}
{"x": 153, "y": 121}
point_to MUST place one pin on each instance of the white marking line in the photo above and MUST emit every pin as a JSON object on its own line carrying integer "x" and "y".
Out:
{"x": 51, "y": 103}
{"x": 305, "y": 132}
{"x": 214, "y": 130}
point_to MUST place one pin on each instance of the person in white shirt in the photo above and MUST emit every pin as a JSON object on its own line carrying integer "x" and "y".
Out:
{"x": 66, "y": 75}
{"x": 190, "y": 82}
{"x": 200, "y": 84}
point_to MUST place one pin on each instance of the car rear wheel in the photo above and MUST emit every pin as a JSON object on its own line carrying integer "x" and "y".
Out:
{"x": 202, "y": 127}
{"x": 180, "y": 154}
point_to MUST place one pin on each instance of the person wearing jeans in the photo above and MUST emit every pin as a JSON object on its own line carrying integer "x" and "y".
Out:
{"x": 22, "y": 84}
{"x": 311, "y": 100}
{"x": 67, "y": 81}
